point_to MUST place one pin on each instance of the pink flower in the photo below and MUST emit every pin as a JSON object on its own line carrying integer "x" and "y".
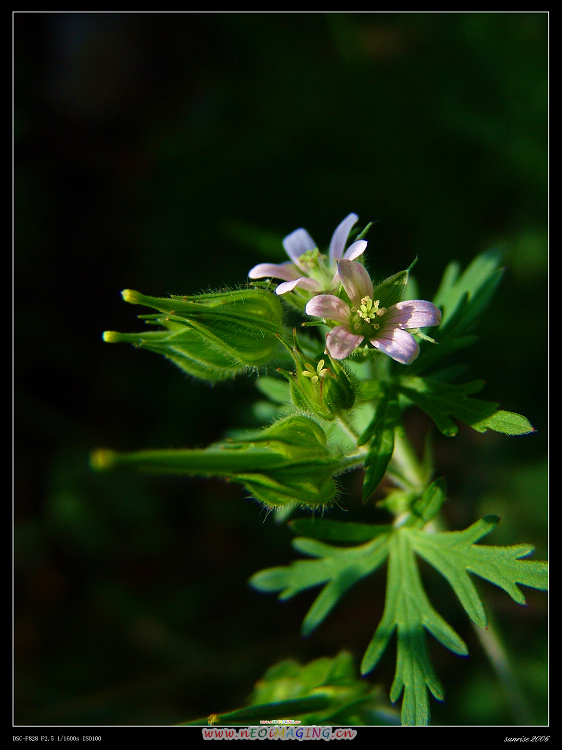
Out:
{"x": 364, "y": 318}
{"x": 309, "y": 269}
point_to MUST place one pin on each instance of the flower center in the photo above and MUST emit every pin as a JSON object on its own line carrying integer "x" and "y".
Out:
{"x": 310, "y": 258}
{"x": 315, "y": 265}
{"x": 367, "y": 313}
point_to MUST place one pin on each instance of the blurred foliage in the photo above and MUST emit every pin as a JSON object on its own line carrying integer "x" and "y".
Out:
{"x": 171, "y": 153}
{"x": 323, "y": 692}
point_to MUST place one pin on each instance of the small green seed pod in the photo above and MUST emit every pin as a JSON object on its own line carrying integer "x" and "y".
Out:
{"x": 284, "y": 465}
{"x": 211, "y": 336}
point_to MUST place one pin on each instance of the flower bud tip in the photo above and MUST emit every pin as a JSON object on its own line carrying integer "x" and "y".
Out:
{"x": 111, "y": 337}
{"x": 102, "y": 459}
{"x": 129, "y": 295}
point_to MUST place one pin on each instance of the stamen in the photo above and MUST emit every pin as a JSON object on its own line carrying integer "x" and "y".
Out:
{"x": 369, "y": 309}
{"x": 313, "y": 374}
{"x": 310, "y": 257}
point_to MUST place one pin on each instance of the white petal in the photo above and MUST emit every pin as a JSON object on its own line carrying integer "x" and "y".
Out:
{"x": 355, "y": 279}
{"x": 297, "y": 243}
{"x": 413, "y": 313}
{"x": 303, "y": 283}
{"x": 340, "y": 342}
{"x": 339, "y": 238}
{"x": 285, "y": 271}
{"x": 355, "y": 250}
{"x": 328, "y": 306}
{"x": 398, "y": 344}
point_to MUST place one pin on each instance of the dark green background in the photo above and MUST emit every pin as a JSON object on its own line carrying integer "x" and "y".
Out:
{"x": 169, "y": 153}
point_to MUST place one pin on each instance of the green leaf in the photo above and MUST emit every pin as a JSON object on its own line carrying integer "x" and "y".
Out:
{"x": 463, "y": 298}
{"x": 408, "y": 612}
{"x": 444, "y": 401}
{"x": 338, "y": 531}
{"x": 335, "y": 567}
{"x": 426, "y": 507}
{"x": 380, "y": 433}
{"x": 506, "y": 422}
{"x": 454, "y": 554}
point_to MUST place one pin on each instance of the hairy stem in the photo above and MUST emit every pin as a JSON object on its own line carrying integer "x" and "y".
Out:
{"x": 407, "y": 472}
{"x": 494, "y": 650}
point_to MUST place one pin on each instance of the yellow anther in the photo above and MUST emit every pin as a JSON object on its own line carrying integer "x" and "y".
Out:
{"x": 310, "y": 257}
{"x": 315, "y": 374}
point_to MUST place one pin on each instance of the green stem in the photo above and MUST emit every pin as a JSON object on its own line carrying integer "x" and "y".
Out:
{"x": 348, "y": 428}
{"x": 497, "y": 656}
{"x": 354, "y": 460}
{"x": 409, "y": 473}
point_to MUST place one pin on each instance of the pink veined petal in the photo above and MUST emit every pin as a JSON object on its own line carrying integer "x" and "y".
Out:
{"x": 356, "y": 280}
{"x": 297, "y": 243}
{"x": 355, "y": 250}
{"x": 398, "y": 344}
{"x": 339, "y": 237}
{"x": 340, "y": 342}
{"x": 303, "y": 282}
{"x": 413, "y": 313}
{"x": 286, "y": 271}
{"x": 330, "y": 307}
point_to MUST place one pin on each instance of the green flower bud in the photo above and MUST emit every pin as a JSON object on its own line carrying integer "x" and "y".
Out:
{"x": 211, "y": 336}
{"x": 323, "y": 388}
{"x": 286, "y": 464}
{"x": 392, "y": 290}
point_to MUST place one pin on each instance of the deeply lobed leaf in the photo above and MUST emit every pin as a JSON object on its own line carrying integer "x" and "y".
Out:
{"x": 445, "y": 401}
{"x": 408, "y": 611}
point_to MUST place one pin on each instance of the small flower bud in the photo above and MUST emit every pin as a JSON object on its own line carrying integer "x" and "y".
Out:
{"x": 323, "y": 388}
{"x": 392, "y": 290}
